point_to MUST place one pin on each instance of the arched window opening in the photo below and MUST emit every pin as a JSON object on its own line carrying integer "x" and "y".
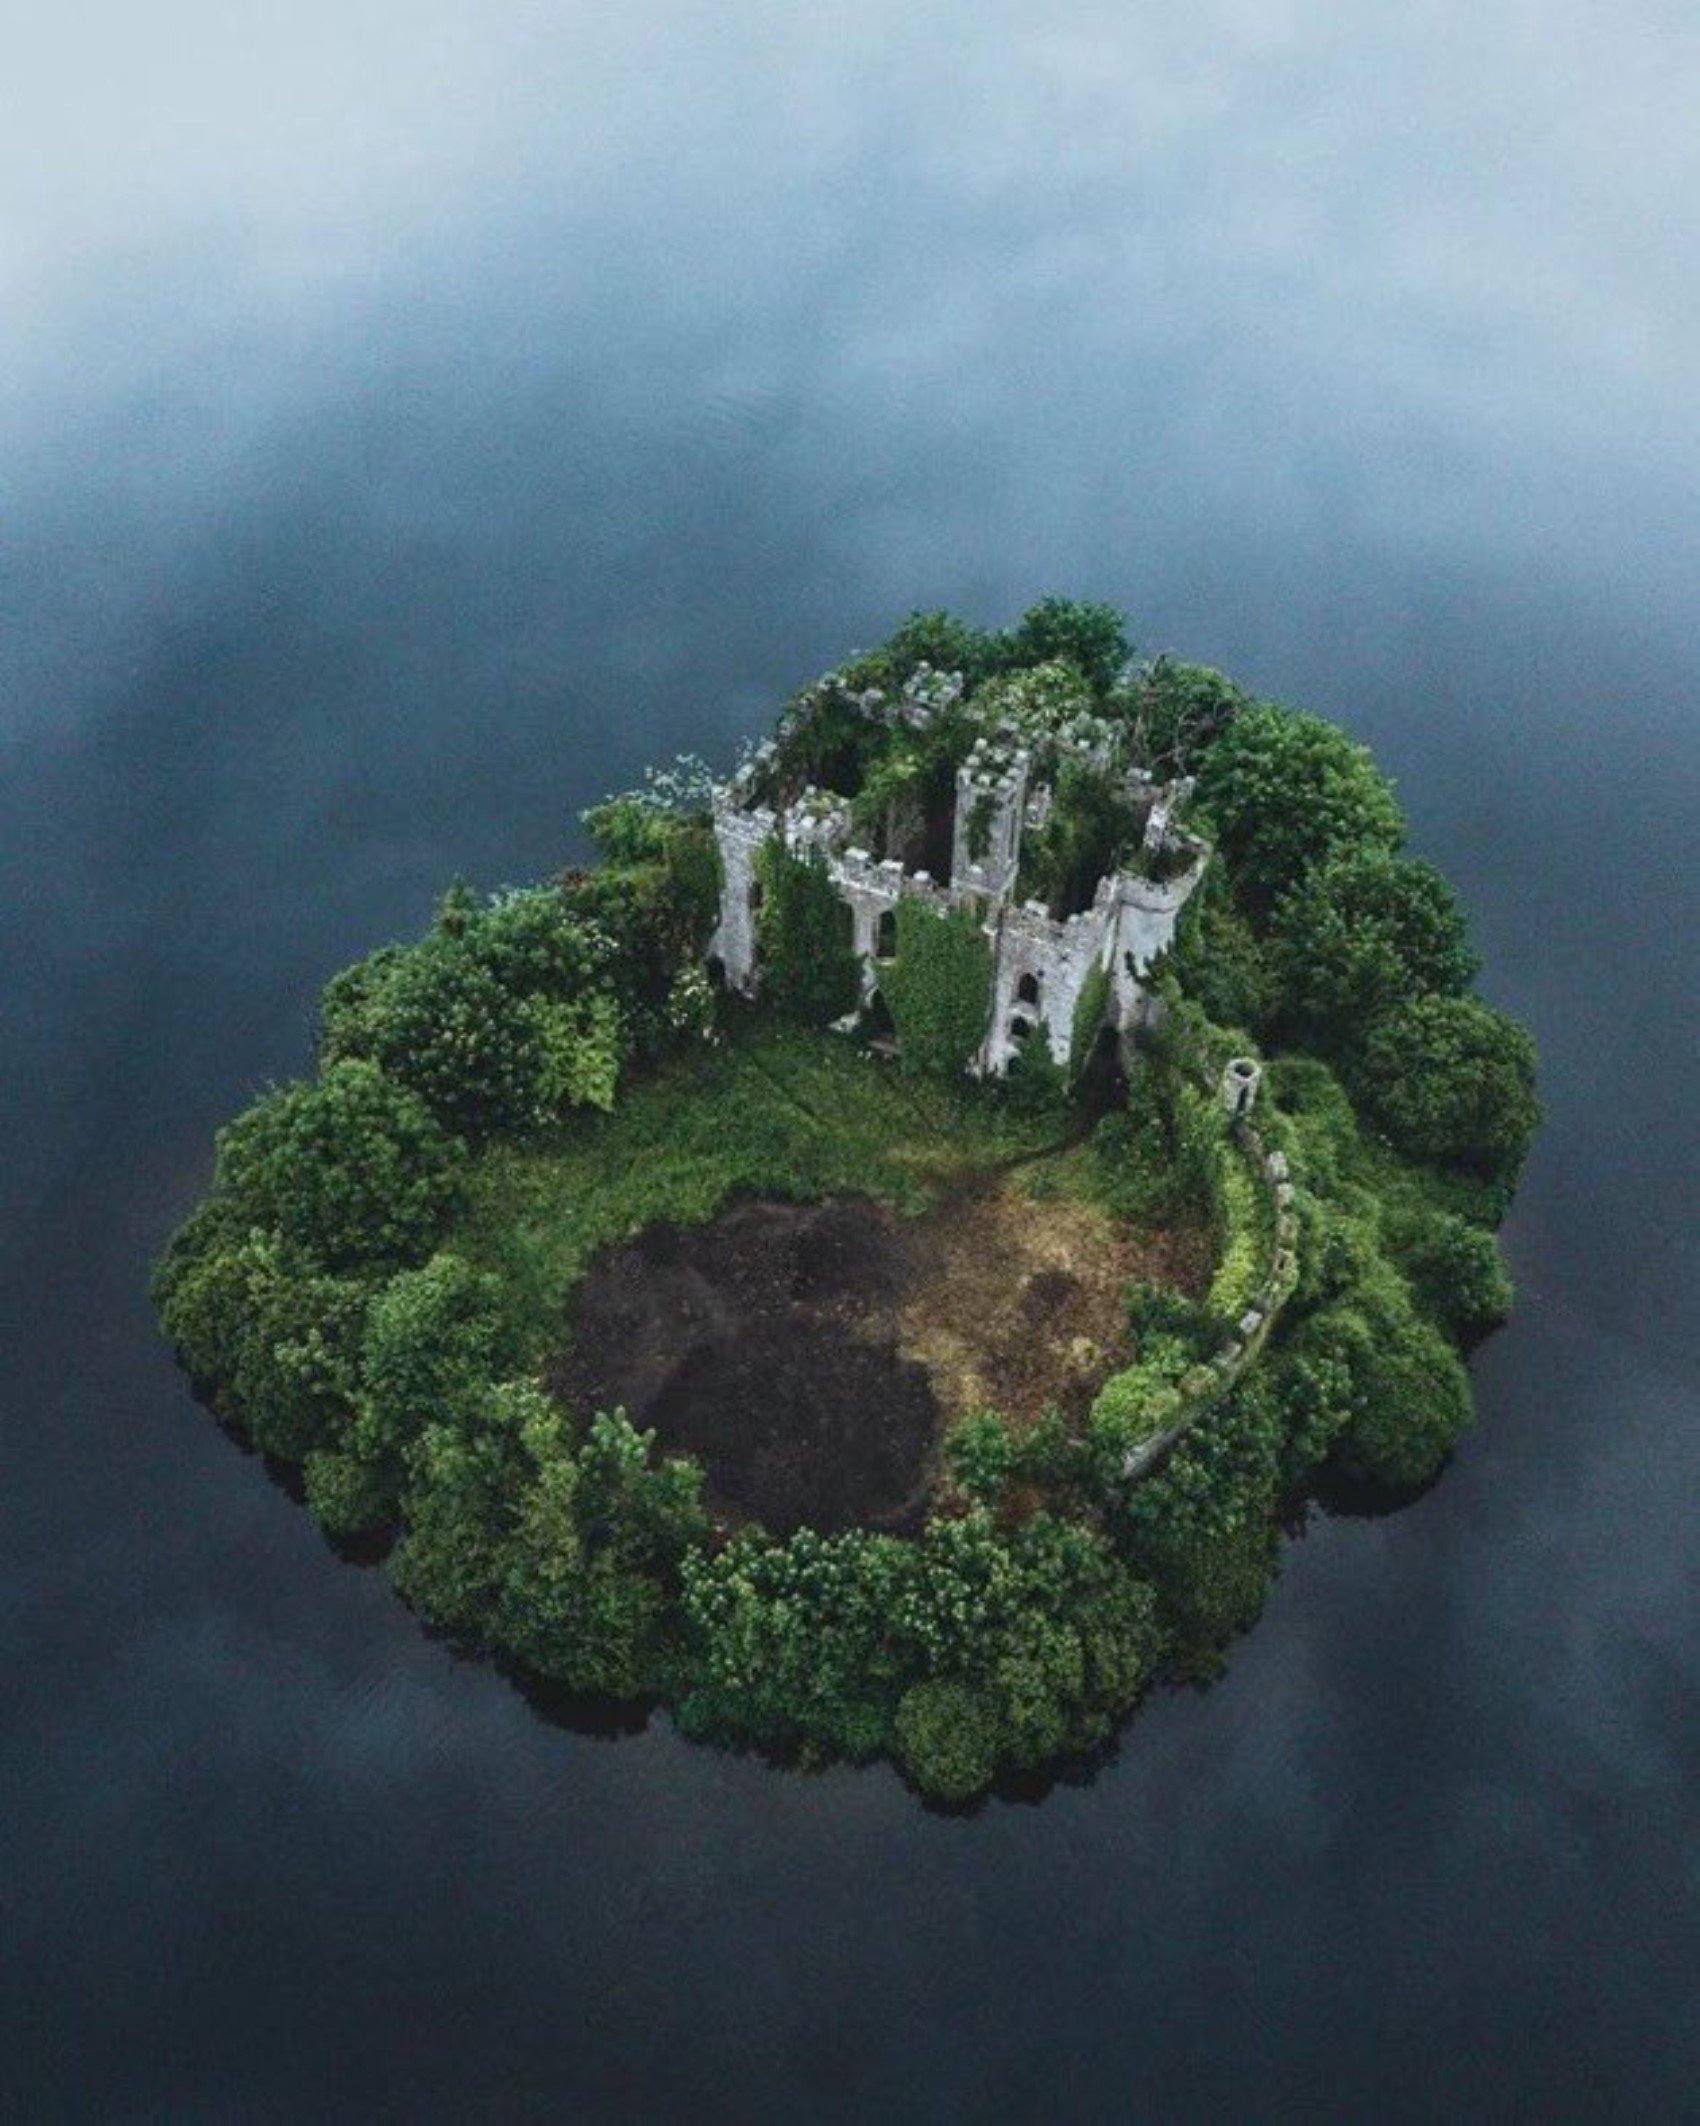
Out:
{"x": 1027, "y": 990}
{"x": 1020, "y": 1028}
{"x": 885, "y": 937}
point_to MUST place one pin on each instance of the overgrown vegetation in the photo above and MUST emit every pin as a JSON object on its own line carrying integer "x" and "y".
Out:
{"x": 938, "y": 987}
{"x": 388, "y": 1252}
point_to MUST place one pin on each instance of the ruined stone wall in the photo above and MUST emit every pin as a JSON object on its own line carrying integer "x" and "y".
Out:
{"x": 1198, "y": 1392}
{"x": 738, "y": 836}
{"x": 1039, "y": 968}
{"x": 1040, "y": 964}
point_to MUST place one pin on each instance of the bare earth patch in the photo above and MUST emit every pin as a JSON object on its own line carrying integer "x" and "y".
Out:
{"x": 810, "y": 1355}
{"x": 1016, "y": 1303}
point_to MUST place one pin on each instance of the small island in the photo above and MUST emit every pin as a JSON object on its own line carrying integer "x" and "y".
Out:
{"x": 875, "y": 1262}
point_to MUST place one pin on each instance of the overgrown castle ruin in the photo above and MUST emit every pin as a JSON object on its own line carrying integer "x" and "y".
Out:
{"x": 1042, "y": 957}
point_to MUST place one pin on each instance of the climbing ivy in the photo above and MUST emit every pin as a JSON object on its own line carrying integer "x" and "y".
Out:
{"x": 808, "y": 963}
{"x": 939, "y": 988}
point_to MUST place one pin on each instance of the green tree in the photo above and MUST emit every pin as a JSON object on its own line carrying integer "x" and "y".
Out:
{"x": 1412, "y": 1402}
{"x": 345, "y": 1494}
{"x": 498, "y": 1018}
{"x": 1453, "y": 1081}
{"x": 354, "y": 1169}
{"x": 1044, "y": 1622}
{"x": 1090, "y": 637}
{"x": 980, "y": 1453}
{"x": 790, "y": 1641}
{"x": 596, "y": 1538}
{"x": 1176, "y": 712}
{"x": 463, "y": 1478}
{"x": 1218, "y": 958}
{"x": 1201, "y": 1527}
{"x": 1362, "y": 931}
{"x": 1285, "y": 791}
{"x": 1457, "y": 1274}
{"x": 942, "y": 641}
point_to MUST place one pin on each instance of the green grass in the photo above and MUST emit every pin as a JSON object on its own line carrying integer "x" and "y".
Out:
{"x": 775, "y": 1111}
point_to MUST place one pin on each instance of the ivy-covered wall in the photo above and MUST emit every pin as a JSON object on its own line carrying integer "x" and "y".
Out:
{"x": 809, "y": 966}
{"x": 939, "y": 987}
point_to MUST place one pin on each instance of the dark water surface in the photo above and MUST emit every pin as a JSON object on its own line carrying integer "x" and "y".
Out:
{"x": 308, "y": 607}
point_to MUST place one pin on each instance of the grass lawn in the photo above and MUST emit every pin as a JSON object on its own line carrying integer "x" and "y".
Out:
{"x": 774, "y": 1110}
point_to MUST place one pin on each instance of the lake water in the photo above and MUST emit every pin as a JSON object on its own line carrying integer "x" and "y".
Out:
{"x": 311, "y": 604}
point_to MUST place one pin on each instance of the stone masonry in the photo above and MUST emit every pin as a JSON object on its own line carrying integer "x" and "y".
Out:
{"x": 1040, "y": 963}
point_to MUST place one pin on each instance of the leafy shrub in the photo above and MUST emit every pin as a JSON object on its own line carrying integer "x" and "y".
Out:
{"x": 1161, "y": 1159}
{"x": 655, "y": 908}
{"x": 1034, "y": 1083}
{"x": 1159, "y": 1311}
{"x": 355, "y": 1169}
{"x": 1138, "y": 1401}
{"x": 980, "y": 1454}
{"x": 939, "y": 987}
{"x": 1242, "y": 1268}
{"x": 946, "y": 1737}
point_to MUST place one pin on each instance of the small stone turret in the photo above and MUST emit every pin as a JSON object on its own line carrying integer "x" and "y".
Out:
{"x": 1240, "y": 1080}
{"x": 991, "y": 795}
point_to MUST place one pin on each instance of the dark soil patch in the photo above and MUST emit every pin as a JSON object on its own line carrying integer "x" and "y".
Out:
{"x": 765, "y": 1344}
{"x": 810, "y": 1354}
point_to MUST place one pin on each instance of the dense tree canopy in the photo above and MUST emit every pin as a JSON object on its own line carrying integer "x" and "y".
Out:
{"x": 1362, "y": 931}
{"x": 1090, "y": 637}
{"x": 1285, "y": 791}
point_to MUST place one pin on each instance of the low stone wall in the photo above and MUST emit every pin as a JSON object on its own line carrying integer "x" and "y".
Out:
{"x": 1202, "y": 1389}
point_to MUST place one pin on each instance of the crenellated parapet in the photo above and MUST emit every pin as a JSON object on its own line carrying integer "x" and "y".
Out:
{"x": 817, "y": 821}
{"x": 991, "y": 793}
